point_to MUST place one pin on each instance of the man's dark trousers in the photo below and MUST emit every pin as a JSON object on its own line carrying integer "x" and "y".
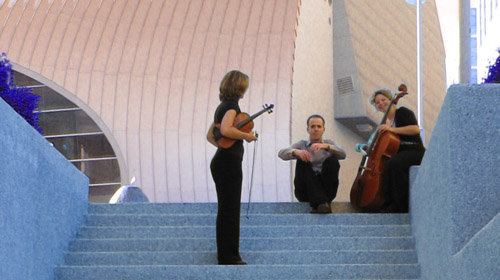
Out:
{"x": 317, "y": 187}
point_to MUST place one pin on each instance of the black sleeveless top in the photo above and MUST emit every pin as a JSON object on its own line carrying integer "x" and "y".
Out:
{"x": 404, "y": 117}
{"x": 237, "y": 148}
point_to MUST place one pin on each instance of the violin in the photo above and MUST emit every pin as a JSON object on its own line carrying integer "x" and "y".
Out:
{"x": 243, "y": 122}
{"x": 366, "y": 191}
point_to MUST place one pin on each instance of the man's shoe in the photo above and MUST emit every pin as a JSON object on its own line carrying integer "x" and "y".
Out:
{"x": 324, "y": 208}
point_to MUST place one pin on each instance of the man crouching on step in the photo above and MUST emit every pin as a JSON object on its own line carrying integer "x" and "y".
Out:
{"x": 317, "y": 169}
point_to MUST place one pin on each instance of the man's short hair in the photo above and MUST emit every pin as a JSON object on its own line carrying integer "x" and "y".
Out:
{"x": 315, "y": 116}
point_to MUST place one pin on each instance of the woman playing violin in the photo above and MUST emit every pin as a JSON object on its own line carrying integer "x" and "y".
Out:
{"x": 226, "y": 166}
{"x": 402, "y": 122}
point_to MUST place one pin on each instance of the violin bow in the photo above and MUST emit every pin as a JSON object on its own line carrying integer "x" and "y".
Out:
{"x": 251, "y": 176}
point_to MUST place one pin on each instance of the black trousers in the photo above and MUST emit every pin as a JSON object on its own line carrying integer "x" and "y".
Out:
{"x": 396, "y": 178}
{"x": 227, "y": 174}
{"x": 316, "y": 188}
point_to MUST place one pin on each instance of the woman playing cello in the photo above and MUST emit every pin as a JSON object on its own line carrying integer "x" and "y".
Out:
{"x": 395, "y": 178}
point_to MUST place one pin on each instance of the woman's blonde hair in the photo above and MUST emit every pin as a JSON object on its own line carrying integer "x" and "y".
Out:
{"x": 385, "y": 92}
{"x": 233, "y": 85}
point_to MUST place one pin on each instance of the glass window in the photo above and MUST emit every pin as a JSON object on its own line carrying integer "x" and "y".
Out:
{"x": 473, "y": 76}
{"x": 473, "y": 51}
{"x": 473, "y": 21}
{"x": 83, "y": 146}
{"x": 66, "y": 122}
{"x": 52, "y": 100}
{"x": 99, "y": 171}
{"x": 23, "y": 80}
{"x": 76, "y": 136}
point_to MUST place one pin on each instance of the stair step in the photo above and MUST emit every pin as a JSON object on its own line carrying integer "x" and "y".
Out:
{"x": 245, "y": 231}
{"x": 254, "y": 219}
{"x": 250, "y": 244}
{"x": 278, "y": 240}
{"x": 335, "y": 271}
{"x": 252, "y": 257}
{"x": 198, "y": 208}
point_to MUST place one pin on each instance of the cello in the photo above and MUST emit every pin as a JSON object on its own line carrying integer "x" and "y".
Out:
{"x": 366, "y": 191}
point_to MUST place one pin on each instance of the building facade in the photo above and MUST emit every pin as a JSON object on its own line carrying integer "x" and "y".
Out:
{"x": 485, "y": 43}
{"x": 137, "y": 82}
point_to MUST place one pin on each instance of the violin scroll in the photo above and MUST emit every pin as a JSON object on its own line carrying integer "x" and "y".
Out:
{"x": 268, "y": 108}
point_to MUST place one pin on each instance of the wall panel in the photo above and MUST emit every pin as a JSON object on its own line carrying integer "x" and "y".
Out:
{"x": 151, "y": 71}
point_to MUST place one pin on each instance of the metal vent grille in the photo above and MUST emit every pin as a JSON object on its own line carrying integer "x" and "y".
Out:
{"x": 345, "y": 86}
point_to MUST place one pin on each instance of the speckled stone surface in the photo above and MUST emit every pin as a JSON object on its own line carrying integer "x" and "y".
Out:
{"x": 278, "y": 240}
{"x": 455, "y": 198}
{"x": 43, "y": 198}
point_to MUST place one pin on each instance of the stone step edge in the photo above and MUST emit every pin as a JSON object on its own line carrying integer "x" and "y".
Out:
{"x": 338, "y": 207}
{"x": 245, "y": 251}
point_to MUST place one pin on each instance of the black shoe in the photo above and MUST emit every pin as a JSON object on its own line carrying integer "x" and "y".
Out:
{"x": 389, "y": 209}
{"x": 240, "y": 262}
{"x": 324, "y": 208}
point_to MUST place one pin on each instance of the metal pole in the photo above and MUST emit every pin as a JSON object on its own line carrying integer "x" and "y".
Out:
{"x": 420, "y": 101}
{"x": 464, "y": 41}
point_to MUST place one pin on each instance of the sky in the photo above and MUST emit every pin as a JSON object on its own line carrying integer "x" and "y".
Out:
{"x": 487, "y": 50}
{"x": 449, "y": 21}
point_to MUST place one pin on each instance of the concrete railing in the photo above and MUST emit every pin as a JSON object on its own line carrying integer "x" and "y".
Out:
{"x": 43, "y": 199}
{"x": 455, "y": 198}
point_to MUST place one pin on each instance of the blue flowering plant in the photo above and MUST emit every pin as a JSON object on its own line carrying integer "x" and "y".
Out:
{"x": 494, "y": 72}
{"x": 21, "y": 99}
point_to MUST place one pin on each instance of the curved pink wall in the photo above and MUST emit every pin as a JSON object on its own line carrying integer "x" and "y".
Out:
{"x": 151, "y": 70}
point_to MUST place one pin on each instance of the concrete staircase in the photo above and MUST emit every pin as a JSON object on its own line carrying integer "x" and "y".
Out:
{"x": 278, "y": 240}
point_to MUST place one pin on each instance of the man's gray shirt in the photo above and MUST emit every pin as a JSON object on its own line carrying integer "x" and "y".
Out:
{"x": 318, "y": 157}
